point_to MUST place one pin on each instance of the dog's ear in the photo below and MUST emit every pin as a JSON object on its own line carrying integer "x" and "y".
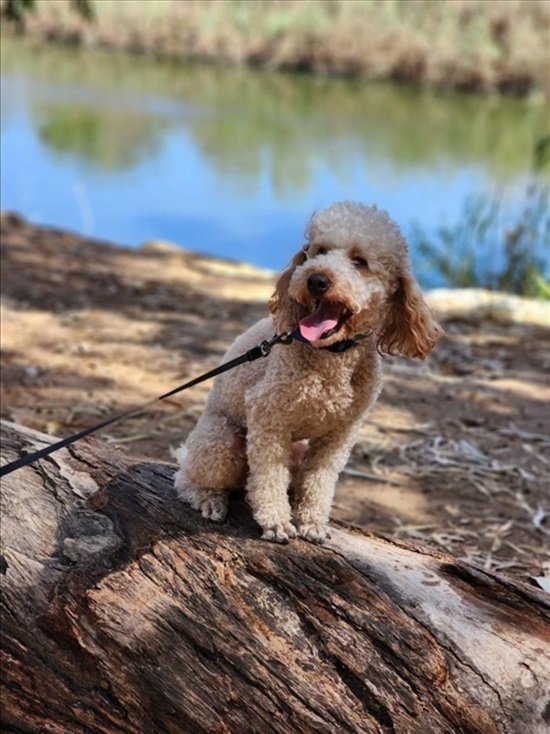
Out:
{"x": 410, "y": 328}
{"x": 280, "y": 294}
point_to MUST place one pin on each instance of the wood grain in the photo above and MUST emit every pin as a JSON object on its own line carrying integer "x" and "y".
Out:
{"x": 123, "y": 611}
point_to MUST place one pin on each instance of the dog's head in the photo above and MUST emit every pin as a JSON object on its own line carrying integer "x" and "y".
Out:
{"x": 353, "y": 277}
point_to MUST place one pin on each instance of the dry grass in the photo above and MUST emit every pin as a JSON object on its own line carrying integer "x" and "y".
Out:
{"x": 438, "y": 459}
{"x": 483, "y": 45}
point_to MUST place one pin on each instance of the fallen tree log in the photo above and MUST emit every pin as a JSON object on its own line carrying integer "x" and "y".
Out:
{"x": 123, "y": 611}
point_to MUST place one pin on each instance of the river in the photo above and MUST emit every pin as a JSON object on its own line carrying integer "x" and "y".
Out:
{"x": 232, "y": 161}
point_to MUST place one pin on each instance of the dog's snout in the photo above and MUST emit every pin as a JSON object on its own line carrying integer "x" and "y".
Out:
{"x": 318, "y": 283}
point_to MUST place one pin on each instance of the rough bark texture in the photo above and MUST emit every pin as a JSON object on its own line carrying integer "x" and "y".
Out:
{"x": 123, "y": 611}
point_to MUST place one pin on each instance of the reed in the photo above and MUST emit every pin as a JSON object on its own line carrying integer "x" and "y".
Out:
{"x": 484, "y": 45}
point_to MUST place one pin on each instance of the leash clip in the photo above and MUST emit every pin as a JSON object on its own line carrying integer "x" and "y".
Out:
{"x": 266, "y": 346}
{"x": 285, "y": 338}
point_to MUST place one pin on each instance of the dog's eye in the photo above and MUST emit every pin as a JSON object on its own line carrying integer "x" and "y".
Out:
{"x": 321, "y": 251}
{"x": 359, "y": 262}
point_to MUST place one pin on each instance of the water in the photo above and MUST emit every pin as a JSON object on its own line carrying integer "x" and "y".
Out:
{"x": 232, "y": 162}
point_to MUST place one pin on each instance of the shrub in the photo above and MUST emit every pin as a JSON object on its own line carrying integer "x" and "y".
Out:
{"x": 488, "y": 248}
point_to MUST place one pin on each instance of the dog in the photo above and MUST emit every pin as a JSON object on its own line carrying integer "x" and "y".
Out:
{"x": 284, "y": 426}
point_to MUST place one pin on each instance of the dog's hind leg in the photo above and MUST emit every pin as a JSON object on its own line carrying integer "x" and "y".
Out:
{"x": 212, "y": 463}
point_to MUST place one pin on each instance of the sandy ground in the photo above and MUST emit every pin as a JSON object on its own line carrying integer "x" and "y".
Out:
{"x": 455, "y": 453}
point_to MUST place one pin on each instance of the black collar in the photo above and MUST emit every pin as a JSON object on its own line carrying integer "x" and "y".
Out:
{"x": 337, "y": 347}
{"x": 345, "y": 344}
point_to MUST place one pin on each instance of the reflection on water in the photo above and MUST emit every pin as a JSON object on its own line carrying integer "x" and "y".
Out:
{"x": 112, "y": 139}
{"x": 233, "y": 161}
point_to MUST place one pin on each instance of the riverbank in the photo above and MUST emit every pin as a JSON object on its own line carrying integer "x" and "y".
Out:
{"x": 481, "y": 45}
{"x": 450, "y": 454}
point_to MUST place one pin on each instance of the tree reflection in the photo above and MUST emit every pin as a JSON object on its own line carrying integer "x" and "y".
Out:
{"x": 280, "y": 126}
{"x": 110, "y": 138}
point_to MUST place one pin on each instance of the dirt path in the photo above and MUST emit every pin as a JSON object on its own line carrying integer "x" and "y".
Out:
{"x": 455, "y": 453}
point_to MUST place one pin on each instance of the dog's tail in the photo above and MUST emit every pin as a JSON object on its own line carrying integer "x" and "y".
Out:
{"x": 181, "y": 482}
{"x": 179, "y": 454}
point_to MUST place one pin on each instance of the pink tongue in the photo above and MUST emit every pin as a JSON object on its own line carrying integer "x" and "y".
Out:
{"x": 320, "y": 321}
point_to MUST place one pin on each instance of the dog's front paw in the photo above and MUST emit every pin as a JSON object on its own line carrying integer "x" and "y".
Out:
{"x": 279, "y": 532}
{"x": 214, "y": 507}
{"x": 211, "y": 504}
{"x": 314, "y": 532}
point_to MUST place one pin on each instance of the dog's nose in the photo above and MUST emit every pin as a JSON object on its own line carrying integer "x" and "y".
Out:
{"x": 318, "y": 283}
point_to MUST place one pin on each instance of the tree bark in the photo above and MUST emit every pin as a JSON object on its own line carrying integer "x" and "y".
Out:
{"x": 123, "y": 611}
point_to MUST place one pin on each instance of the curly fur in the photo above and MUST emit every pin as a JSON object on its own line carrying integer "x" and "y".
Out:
{"x": 284, "y": 426}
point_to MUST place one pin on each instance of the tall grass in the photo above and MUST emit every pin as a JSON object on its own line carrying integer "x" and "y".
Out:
{"x": 471, "y": 44}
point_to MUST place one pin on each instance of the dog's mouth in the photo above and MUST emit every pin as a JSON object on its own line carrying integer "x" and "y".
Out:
{"x": 327, "y": 319}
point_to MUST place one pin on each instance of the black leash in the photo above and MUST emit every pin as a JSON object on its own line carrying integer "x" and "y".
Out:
{"x": 262, "y": 350}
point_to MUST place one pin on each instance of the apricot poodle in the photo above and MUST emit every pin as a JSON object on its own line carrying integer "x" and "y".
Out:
{"x": 284, "y": 426}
